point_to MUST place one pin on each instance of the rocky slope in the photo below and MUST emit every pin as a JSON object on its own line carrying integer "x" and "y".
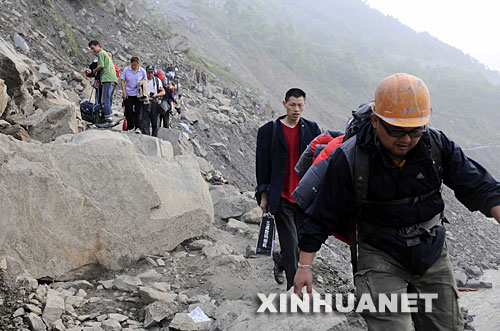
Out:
{"x": 157, "y": 272}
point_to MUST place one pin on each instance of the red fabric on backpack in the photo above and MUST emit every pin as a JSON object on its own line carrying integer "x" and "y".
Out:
{"x": 160, "y": 74}
{"x": 124, "y": 126}
{"x": 332, "y": 145}
{"x": 322, "y": 140}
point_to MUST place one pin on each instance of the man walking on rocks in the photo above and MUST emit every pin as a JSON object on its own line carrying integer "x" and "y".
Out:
{"x": 382, "y": 190}
{"x": 279, "y": 146}
{"x": 107, "y": 77}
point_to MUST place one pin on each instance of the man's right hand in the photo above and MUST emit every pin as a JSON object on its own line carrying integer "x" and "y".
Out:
{"x": 303, "y": 277}
{"x": 124, "y": 96}
{"x": 263, "y": 202}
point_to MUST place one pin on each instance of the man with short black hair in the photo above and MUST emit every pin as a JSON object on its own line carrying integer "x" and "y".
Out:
{"x": 107, "y": 77}
{"x": 279, "y": 146}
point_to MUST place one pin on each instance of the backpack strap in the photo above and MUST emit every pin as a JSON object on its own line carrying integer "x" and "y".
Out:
{"x": 358, "y": 160}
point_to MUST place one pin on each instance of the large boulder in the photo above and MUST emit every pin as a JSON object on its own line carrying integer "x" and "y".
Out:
{"x": 4, "y": 97}
{"x": 179, "y": 141}
{"x": 17, "y": 77}
{"x": 55, "y": 122}
{"x": 95, "y": 198}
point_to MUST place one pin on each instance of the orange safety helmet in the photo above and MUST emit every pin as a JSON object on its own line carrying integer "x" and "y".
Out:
{"x": 403, "y": 100}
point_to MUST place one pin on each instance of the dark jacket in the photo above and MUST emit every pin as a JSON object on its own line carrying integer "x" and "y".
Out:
{"x": 270, "y": 170}
{"x": 334, "y": 205}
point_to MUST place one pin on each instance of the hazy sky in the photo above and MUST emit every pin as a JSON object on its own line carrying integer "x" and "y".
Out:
{"x": 473, "y": 26}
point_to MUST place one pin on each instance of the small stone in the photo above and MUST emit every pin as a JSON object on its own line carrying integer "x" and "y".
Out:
{"x": 18, "y": 312}
{"x": 33, "y": 308}
{"x": 460, "y": 278}
{"x": 118, "y": 317}
{"x": 94, "y": 299}
{"x": 101, "y": 318}
{"x": 162, "y": 286}
{"x": 150, "y": 275}
{"x": 54, "y": 307}
{"x": 127, "y": 283}
{"x": 199, "y": 244}
{"x": 75, "y": 301}
{"x": 236, "y": 226}
{"x": 81, "y": 293}
{"x": 100, "y": 287}
{"x": 111, "y": 325}
{"x": 157, "y": 312}
{"x": 149, "y": 295}
{"x": 35, "y": 322}
{"x": 107, "y": 284}
{"x": 151, "y": 261}
{"x": 160, "y": 262}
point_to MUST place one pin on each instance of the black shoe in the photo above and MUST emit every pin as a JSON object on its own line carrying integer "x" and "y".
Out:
{"x": 278, "y": 273}
{"x": 278, "y": 269}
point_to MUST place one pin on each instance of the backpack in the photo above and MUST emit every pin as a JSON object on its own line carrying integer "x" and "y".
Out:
{"x": 359, "y": 118}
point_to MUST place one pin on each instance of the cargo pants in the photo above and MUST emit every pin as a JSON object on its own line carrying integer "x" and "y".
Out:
{"x": 379, "y": 273}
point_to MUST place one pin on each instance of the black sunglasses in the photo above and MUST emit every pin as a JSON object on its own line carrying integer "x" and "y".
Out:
{"x": 398, "y": 133}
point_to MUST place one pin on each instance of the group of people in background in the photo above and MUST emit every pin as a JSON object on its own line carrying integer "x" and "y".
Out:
{"x": 149, "y": 94}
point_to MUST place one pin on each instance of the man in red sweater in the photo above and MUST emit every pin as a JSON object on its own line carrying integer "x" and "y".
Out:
{"x": 276, "y": 178}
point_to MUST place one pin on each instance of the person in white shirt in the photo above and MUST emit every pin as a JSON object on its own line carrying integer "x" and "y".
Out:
{"x": 150, "y": 112}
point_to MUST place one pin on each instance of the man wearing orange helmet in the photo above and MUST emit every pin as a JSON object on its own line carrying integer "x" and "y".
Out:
{"x": 382, "y": 190}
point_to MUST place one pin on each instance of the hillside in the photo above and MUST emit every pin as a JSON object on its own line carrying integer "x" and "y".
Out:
{"x": 338, "y": 51}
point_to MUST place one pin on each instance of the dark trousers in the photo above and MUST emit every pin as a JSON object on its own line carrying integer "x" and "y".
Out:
{"x": 288, "y": 218}
{"x": 133, "y": 112}
{"x": 150, "y": 118}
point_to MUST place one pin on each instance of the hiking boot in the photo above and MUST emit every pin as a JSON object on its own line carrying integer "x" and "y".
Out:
{"x": 137, "y": 130}
{"x": 278, "y": 269}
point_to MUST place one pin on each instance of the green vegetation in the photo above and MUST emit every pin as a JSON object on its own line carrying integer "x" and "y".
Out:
{"x": 73, "y": 42}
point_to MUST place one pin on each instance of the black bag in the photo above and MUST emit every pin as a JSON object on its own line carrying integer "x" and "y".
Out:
{"x": 93, "y": 113}
{"x": 360, "y": 117}
{"x": 265, "y": 242}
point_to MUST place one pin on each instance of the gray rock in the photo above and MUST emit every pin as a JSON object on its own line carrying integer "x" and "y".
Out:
{"x": 168, "y": 202}
{"x": 238, "y": 261}
{"x": 180, "y": 143}
{"x": 17, "y": 77}
{"x": 157, "y": 312}
{"x": 111, "y": 325}
{"x": 75, "y": 301}
{"x": 33, "y": 308}
{"x": 127, "y": 283}
{"x": 54, "y": 307}
{"x": 254, "y": 216}
{"x": 199, "y": 244}
{"x": 234, "y": 207}
{"x": 20, "y": 43}
{"x": 77, "y": 76}
{"x": 217, "y": 250}
{"x": 162, "y": 286}
{"x": 56, "y": 121}
{"x": 4, "y": 97}
{"x": 18, "y": 312}
{"x": 35, "y": 322}
{"x": 149, "y": 276}
{"x": 461, "y": 278}
{"x": 219, "y": 192}
{"x": 236, "y": 226}
{"x": 149, "y": 295}
{"x": 205, "y": 166}
{"x": 118, "y": 317}
{"x": 184, "y": 322}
